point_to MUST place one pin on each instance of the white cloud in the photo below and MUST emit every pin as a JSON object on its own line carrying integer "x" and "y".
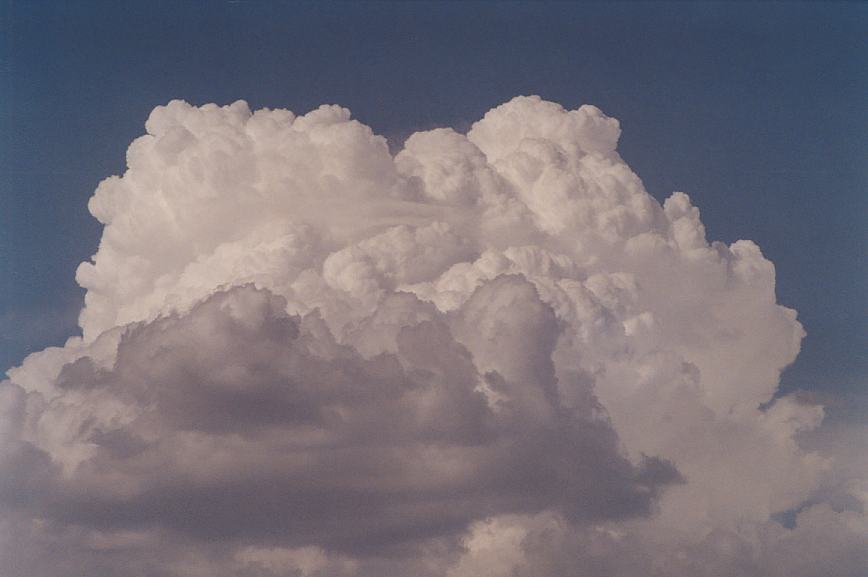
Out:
{"x": 487, "y": 355}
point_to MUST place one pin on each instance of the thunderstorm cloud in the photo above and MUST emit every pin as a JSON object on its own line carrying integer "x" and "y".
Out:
{"x": 491, "y": 354}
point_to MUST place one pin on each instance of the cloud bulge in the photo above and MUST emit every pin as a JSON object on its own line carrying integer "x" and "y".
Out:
{"x": 491, "y": 354}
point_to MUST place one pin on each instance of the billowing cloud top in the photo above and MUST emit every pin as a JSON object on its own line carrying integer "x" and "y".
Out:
{"x": 492, "y": 354}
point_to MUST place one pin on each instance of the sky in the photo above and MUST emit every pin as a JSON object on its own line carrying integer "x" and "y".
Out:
{"x": 539, "y": 241}
{"x": 756, "y": 110}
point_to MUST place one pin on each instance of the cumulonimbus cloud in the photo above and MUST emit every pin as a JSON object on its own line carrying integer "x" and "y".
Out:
{"x": 490, "y": 354}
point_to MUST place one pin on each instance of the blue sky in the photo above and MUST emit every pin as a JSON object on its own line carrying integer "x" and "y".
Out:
{"x": 758, "y": 111}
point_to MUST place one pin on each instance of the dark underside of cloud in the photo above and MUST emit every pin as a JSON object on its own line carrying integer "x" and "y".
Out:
{"x": 242, "y": 423}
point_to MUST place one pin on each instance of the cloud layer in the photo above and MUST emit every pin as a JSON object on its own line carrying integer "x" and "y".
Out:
{"x": 491, "y": 354}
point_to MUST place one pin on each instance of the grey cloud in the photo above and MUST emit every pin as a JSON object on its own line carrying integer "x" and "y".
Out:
{"x": 239, "y": 422}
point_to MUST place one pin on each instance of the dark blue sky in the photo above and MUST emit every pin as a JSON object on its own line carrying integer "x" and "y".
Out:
{"x": 758, "y": 111}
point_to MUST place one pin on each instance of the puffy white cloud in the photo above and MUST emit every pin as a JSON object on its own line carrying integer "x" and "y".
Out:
{"x": 491, "y": 354}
